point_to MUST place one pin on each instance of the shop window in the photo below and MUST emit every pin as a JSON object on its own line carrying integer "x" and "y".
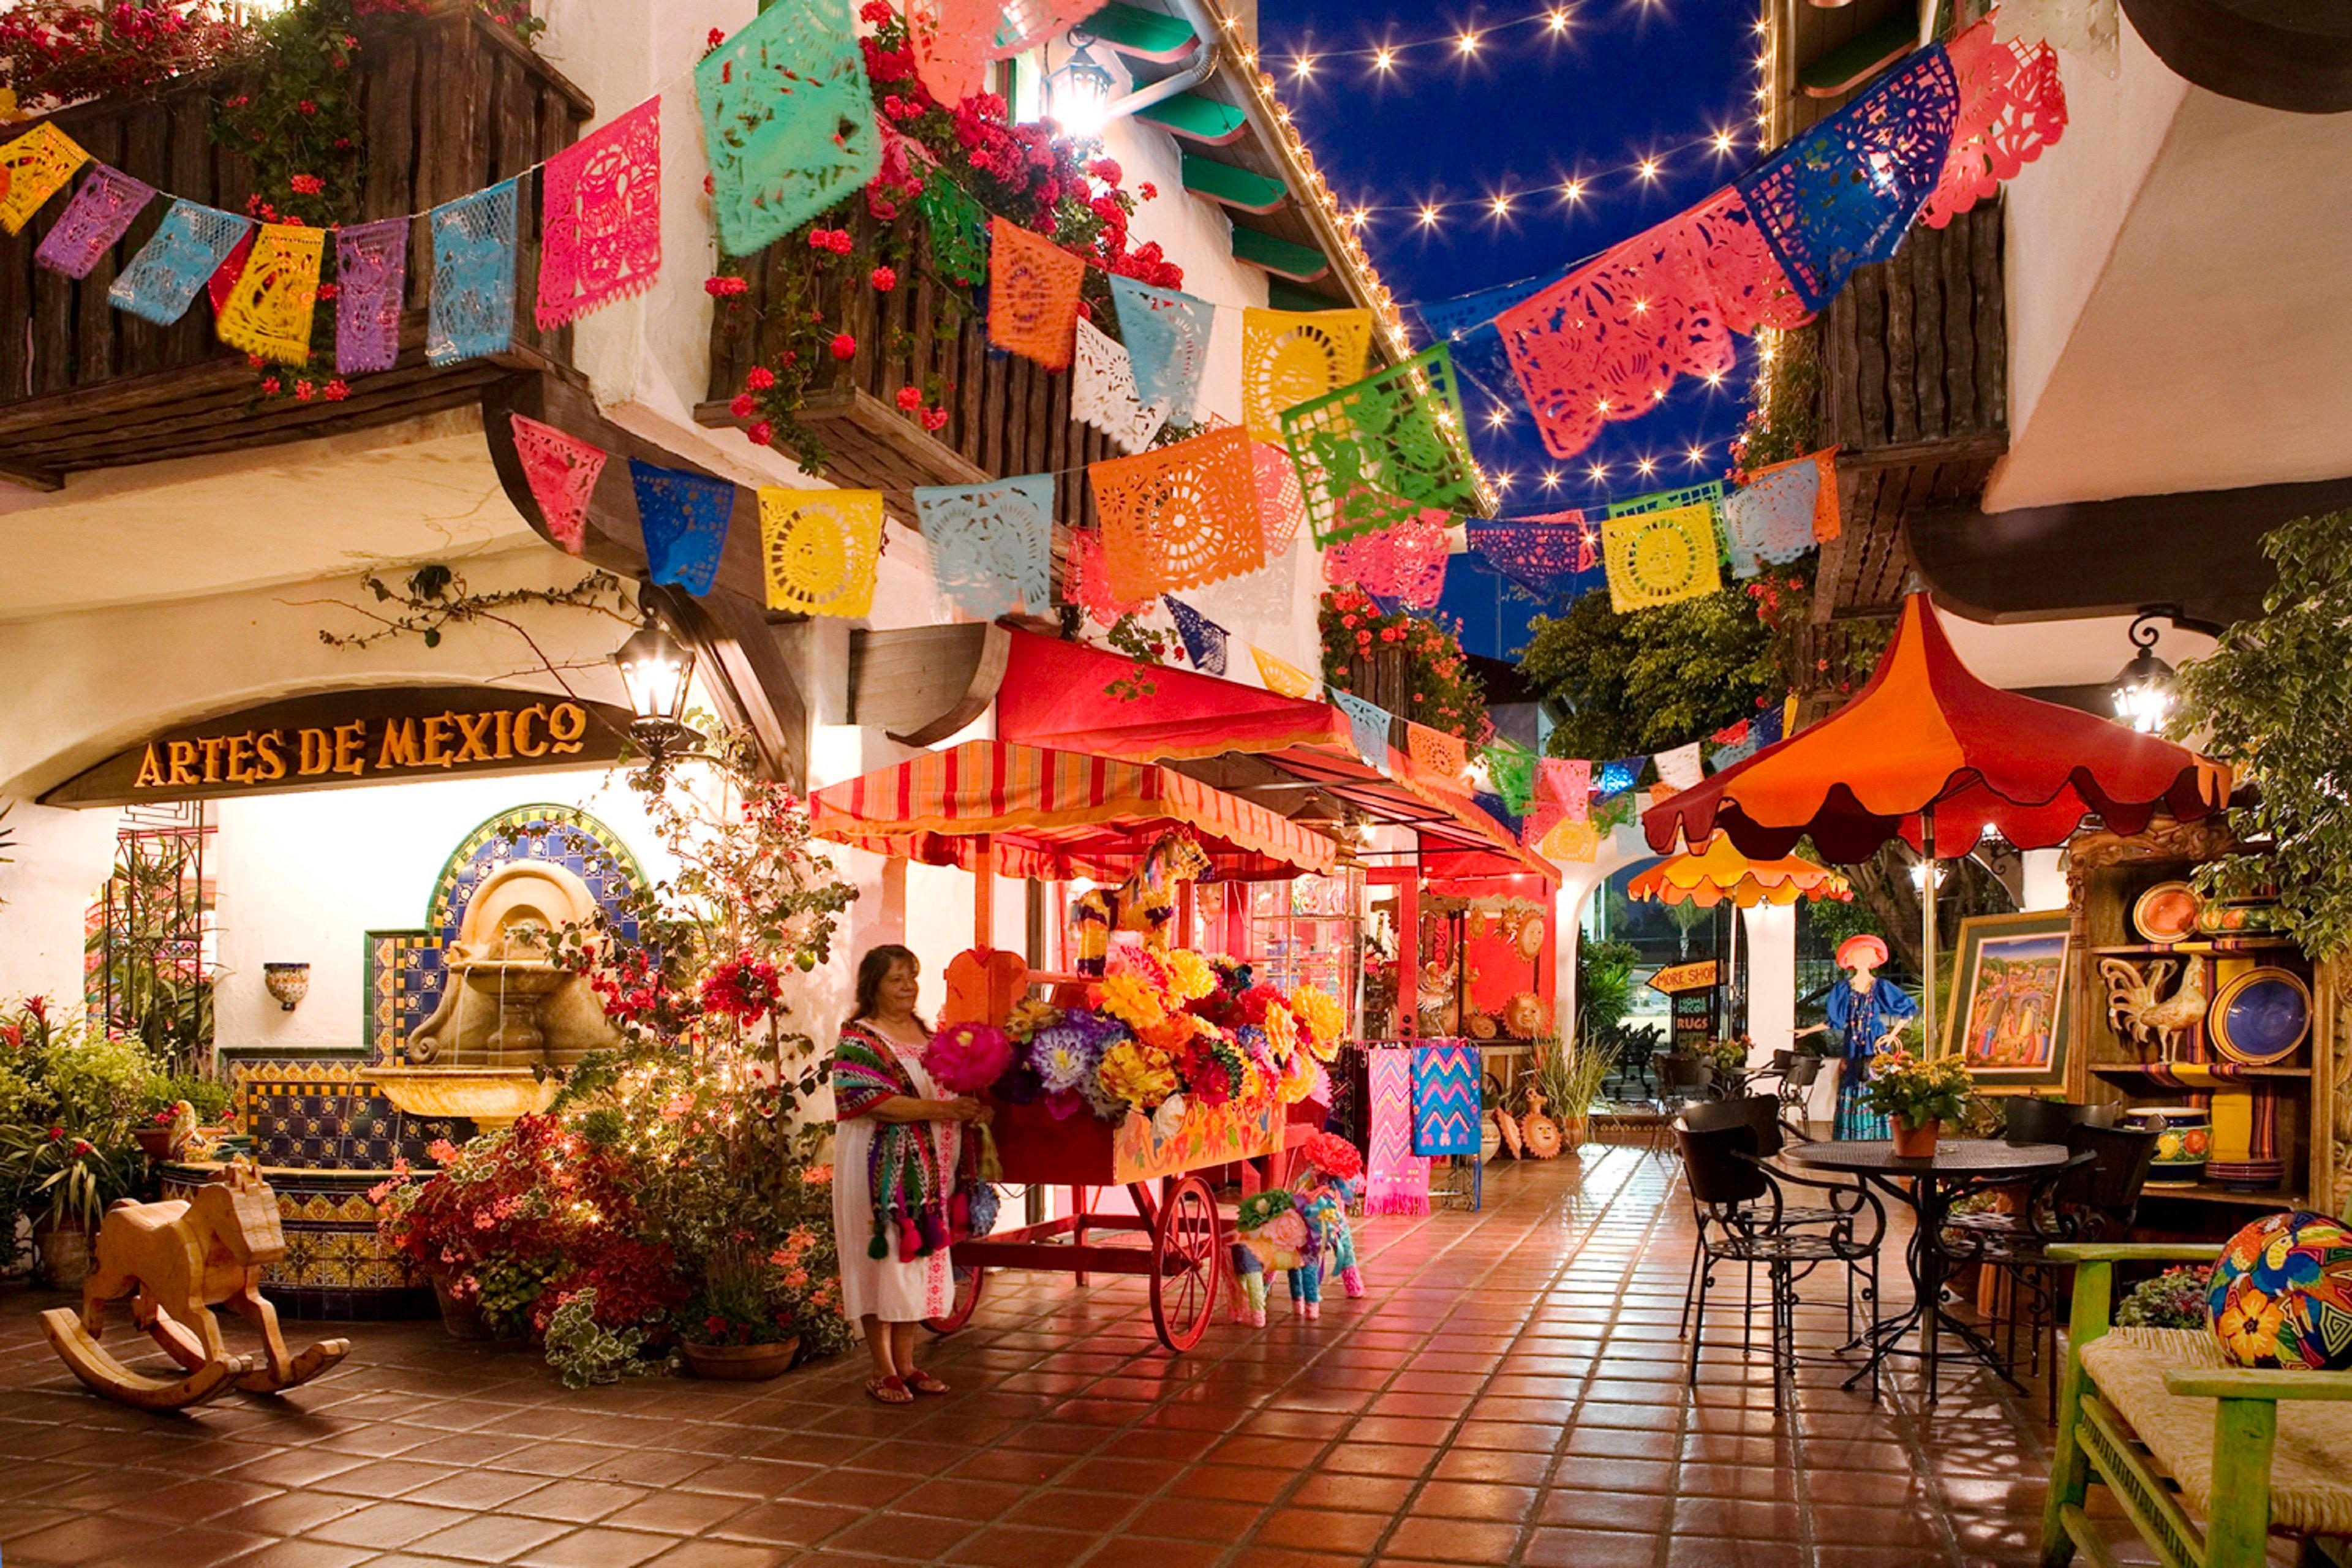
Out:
{"x": 150, "y": 950}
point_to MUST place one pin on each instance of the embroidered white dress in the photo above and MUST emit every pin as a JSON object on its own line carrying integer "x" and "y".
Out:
{"x": 894, "y": 1290}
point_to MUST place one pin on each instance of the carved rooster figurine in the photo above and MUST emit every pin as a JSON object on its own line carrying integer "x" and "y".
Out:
{"x": 2133, "y": 1006}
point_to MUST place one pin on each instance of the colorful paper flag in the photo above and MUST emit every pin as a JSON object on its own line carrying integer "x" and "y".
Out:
{"x": 1382, "y": 450}
{"x": 1033, "y": 295}
{"x": 821, "y": 548}
{"x": 683, "y": 516}
{"x": 186, "y": 248}
{"x": 1281, "y": 677}
{"x": 1167, "y": 335}
{"x": 991, "y": 545}
{"x": 473, "y": 306}
{"x": 371, "y": 278}
{"x": 600, "y": 232}
{"x": 1368, "y": 724}
{"x": 1291, "y": 356}
{"x": 1679, "y": 770}
{"x": 1179, "y": 516}
{"x": 562, "y": 471}
{"x": 100, "y": 213}
{"x": 32, "y": 168}
{"x": 1660, "y": 557}
{"x": 788, "y": 121}
{"x": 1103, "y": 393}
{"x": 268, "y": 312}
{"x": 1204, "y": 639}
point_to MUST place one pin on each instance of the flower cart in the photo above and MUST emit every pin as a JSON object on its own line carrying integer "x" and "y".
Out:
{"x": 1149, "y": 1067}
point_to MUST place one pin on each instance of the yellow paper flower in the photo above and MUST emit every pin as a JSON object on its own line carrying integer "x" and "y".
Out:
{"x": 1324, "y": 1019}
{"x": 1030, "y": 1015}
{"x": 1298, "y": 1081}
{"x": 1281, "y": 1031}
{"x": 1138, "y": 1074}
{"x": 1189, "y": 974}
{"x": 1132, "y": 1000}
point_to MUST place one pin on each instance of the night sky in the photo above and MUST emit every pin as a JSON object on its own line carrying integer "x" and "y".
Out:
{"x": 1532, "y": 108}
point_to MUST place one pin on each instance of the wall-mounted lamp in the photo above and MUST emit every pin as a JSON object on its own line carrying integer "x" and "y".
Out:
{"x": 2142, "y": 690}
{"x": 290, "y": 983}
{"x": 1079, "y": 95}
{"x": 657, "y": 670}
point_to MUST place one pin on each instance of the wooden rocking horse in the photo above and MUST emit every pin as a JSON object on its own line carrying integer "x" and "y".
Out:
{"x": 175, "y": 1259}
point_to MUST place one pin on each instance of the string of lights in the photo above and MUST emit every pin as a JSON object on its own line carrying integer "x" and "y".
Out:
{"x": 1511, "y": 196}
{"x": 1461, "y": 45}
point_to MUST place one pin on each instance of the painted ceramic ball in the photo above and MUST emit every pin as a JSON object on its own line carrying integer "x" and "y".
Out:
{"x": 2280, "y": 1295}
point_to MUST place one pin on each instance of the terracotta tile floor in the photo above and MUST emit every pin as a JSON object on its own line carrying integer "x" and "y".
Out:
{"x": 1511, "y": 1391}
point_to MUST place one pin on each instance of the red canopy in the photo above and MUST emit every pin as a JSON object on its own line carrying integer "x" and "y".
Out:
{"x": 1052, "y": 694}
{"x": 1927, "y": 737}
{"x": 1055, "y": 815}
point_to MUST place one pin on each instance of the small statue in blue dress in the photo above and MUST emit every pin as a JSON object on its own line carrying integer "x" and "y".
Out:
{"x": 1867, "y": 1015}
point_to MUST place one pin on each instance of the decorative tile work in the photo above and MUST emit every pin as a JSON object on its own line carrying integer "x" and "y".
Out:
{"x": 401, "y": 980}
{"x": 324, "y": 1116}
{"x": 569, "y": 838}
{"x": 335, "y": 1265}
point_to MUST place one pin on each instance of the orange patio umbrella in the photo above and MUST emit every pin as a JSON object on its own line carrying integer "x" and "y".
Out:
{"x": 1722, "y": 873}
{"x": 1929, "y": 751}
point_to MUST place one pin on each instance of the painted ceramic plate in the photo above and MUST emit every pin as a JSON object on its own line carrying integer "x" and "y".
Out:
{"x": 2261, "y": 1017}
{"x": 1542, "y": 1134}
{"x": 2167, "y": 913}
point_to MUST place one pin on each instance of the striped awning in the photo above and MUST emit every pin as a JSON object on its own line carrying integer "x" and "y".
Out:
{"x": 1053, "y": 815}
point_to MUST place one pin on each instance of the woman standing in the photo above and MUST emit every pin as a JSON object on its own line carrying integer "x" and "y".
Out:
{"x": 1867, "y": 1015}
{"x": 895, "y": 1150}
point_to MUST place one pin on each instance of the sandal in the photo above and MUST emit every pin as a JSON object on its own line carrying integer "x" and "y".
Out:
{"x": 887, "y": 1390}
{"x": 924, "y": 1383}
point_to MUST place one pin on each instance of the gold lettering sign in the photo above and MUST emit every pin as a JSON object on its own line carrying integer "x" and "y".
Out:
{"x": 354, "y": 736}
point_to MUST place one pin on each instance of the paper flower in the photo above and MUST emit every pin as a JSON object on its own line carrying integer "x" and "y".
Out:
{"x": 1332, "y": 1156}
{"x": 1131, "y": 1000}
{"x": 1138, "y": 1074}
{"x": 1189, "y": 974}
{"x": 1321, "y": 1020}
{"x": 1297, "y": 1081}
{"x": 1169, "y": 1119}
{"x": 1281, "y": 1032}
{"x": 1030, "y": 1015}
{"x": 965, "y": 1058}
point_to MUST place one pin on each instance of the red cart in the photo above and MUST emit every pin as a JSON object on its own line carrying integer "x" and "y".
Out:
{"x": 1018, "y": 811}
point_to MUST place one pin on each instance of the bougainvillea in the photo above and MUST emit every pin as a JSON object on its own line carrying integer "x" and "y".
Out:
{"x": 1440, "y": 689}
{"x": 56, "y": 52}
{"x": 873, "y": 244}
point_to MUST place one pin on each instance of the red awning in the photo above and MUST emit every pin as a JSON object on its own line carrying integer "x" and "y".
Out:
{"x": 1055, "y": 694}
{"x": 1054, "y": 815}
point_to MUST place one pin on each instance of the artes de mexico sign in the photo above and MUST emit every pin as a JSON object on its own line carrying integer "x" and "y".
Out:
{"x": 368, "y": 736}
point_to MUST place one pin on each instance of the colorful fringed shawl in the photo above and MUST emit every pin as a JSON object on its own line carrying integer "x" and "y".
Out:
{"x": 903, "y": 1172}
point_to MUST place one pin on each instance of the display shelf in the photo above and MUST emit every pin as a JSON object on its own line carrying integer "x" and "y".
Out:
{"x": 2224, "y": 948}
{"x": 2207, "y": 1193}
{"x": 2230, "y": 1070}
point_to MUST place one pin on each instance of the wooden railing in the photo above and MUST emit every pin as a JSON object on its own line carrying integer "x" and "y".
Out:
{"x": 1006, "y": 415}
{"x": 1916, "y": 349}
{"x": 451, "y": 103}
{"x": 1915, "y": 393}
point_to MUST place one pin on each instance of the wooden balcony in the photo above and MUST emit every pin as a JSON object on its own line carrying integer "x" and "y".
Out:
{"x": 1006, "y": 415}
{"x": 1915, "y": 393}
{"x": 451, "y": 103}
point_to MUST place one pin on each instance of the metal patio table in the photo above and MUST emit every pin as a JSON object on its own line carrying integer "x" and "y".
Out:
{"x": 1928, "y": 1187}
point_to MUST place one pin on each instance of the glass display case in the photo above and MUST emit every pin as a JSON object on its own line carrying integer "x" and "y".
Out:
{"x": 1306, "y": 932}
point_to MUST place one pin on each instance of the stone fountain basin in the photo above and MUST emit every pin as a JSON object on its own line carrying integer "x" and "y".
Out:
{"x": 513, "y": 976}
{"x": 489, "y": 1097}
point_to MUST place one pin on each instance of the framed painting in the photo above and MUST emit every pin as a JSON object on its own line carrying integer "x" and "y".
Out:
{"x": 2010, "y": 1001}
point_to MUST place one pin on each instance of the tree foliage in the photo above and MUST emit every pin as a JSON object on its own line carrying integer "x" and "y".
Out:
{"x": 2276, "y": 696}
{"x": 1652, "y": 679}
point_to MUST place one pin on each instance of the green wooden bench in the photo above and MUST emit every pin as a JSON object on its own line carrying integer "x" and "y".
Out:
{"x": 2171, "y": 1426}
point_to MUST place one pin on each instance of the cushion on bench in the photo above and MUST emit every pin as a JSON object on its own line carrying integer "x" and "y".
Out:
{"x": 2311, "y": 1467}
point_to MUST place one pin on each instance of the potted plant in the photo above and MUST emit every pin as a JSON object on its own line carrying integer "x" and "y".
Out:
{"x": 69, "y": 1099}
{"x": 1917, "y": 1095}
{"x": 1570, "y": 1079}
{"x": 172, "y": 1107}
{"x": 741, "y": 1325}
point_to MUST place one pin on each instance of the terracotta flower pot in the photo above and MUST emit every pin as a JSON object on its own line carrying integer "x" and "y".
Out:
{"x": 160, "y": 1142}
{"x": 462, "y": 1317}
{"x": 62, "y": 1253}
{"x": 741, "y": 1364}
{"x": 1916, "y": 1142}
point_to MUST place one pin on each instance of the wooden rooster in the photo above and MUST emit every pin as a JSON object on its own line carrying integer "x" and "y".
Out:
{"x": 2134, "y": 1007}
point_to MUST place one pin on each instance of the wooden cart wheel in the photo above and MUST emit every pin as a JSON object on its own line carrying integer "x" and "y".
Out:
{"x": 1185, "y": 1265}
{"x": 970, "y": 1282}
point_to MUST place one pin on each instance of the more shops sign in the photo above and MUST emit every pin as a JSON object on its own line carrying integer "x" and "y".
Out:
{"x": 338, "y": 739}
